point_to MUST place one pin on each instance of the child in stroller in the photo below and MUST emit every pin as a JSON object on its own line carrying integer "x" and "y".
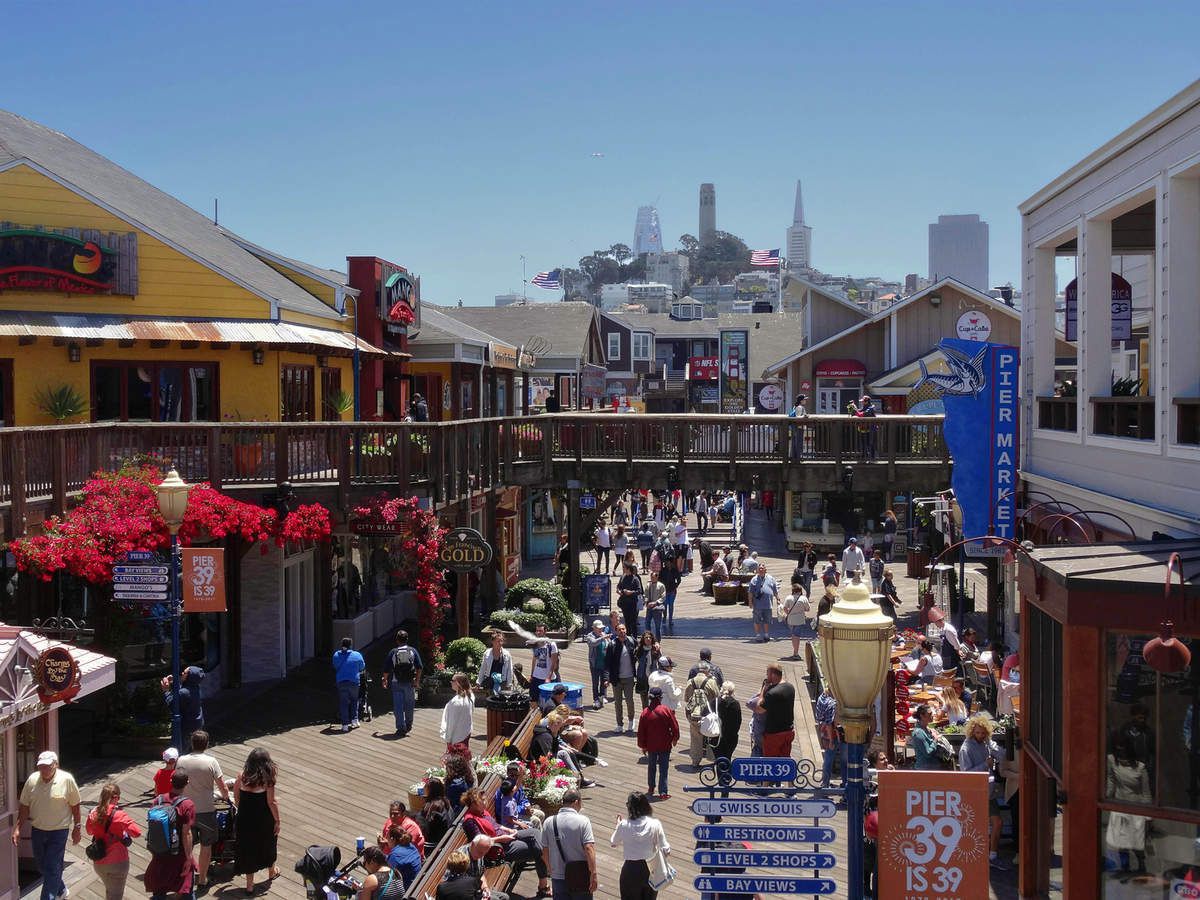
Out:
{"x": 364, "y": 697}
{"x": 321, "y": 873}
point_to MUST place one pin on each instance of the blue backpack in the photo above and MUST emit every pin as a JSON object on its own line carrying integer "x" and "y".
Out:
{"x": 163, "y": 834}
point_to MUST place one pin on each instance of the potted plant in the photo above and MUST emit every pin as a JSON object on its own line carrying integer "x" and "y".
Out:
{"x": 62, "y": 403}
{"x": 532, "y": 602}
{"x": 340, "y": 402}
{"x": 247, "y": 446}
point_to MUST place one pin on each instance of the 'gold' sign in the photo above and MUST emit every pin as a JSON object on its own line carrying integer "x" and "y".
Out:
{"x": 464, "y": 550}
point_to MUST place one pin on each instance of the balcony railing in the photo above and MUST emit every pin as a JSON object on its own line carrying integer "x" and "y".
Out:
{"x": 1058, "y": 413}
{"x": 1187, "y": 420}
{"x": 1125, "y": 417}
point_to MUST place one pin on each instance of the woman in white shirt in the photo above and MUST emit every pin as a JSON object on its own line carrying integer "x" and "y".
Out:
{"x": 620, "y": 545}
{"x": 456, "y": 715}
{"x": 603, "y": 547}
{"x": 641, "y": 836}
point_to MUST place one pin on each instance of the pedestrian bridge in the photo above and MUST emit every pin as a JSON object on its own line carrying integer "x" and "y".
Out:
{"x": 338, "y": 463}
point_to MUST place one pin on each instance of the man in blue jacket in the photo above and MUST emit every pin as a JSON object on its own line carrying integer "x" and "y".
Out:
{"x": 191, "y": 711}
{"x": 348, "y": 665}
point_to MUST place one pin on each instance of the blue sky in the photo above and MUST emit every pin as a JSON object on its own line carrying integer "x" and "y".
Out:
{"x": 452, "y": 138}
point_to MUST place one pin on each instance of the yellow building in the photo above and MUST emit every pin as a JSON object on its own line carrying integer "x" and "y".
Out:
{"x": 145, "y": 310}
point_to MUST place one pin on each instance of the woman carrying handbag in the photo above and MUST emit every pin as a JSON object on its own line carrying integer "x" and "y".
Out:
{"x": 646, "y": 870}
{"x": 112, "y": 832}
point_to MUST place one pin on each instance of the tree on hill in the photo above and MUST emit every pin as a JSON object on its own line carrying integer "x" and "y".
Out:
{"x": 725, "y": 256}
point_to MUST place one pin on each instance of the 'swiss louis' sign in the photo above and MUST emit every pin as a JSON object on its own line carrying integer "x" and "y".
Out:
{"x": 75, "y": 262}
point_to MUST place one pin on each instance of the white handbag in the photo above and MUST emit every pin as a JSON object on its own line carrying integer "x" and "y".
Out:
{"x": 710, "y": 723}
{"x": 662, "y": 873}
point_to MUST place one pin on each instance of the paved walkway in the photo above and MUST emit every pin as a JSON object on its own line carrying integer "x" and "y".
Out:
{"x": 335, "y": 787}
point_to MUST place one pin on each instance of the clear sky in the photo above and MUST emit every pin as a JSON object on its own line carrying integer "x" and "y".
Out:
{"x": 452, "y": 138}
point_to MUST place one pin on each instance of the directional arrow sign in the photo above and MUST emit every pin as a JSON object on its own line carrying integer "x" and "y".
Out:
{"x": 742, "y": 884}
{"x": 770, "y": 859}
{"x": 765, "y": 807}
{"x": 140, "y": 570}
{"x": 138, "y": 588}
{"x": 144, "y": 598}
{"x": 763, "y": 768}
{"x": 139, "y": 579}
{"x": 775, "y": 834}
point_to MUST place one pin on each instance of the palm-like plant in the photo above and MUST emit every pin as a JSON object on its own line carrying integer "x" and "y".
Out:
{"x": 61, "y": 403}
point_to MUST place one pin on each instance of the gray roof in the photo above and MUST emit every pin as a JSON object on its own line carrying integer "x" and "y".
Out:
{"x": 563, "y": 327}
{"x": 439, "y": 328}
{"x": 775, "y": 334}
{"x": 152, "y": 210}
{"x": 664, "y": 326}
{"x": 318, "y": 272}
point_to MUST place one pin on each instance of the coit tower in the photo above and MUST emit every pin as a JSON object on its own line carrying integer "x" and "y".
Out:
{"x": 708, "y": 213}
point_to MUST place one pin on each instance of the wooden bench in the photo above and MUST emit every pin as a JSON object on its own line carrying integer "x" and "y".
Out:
{"x": 433, "y": 870}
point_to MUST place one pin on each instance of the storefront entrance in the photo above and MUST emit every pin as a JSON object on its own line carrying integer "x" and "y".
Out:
{"x": 299, "y": 609}
{"x": 833, "y": 396}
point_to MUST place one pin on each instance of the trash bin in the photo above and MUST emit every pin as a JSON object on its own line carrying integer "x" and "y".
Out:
{"x": 918, "y": 559}
{"x": 505, "y": 712}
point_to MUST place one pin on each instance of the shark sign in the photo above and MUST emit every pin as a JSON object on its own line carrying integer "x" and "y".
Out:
{"x": 981, "y": 396}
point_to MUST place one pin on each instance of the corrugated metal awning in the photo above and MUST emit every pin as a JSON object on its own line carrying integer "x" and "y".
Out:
{"x": 131, "y": 328}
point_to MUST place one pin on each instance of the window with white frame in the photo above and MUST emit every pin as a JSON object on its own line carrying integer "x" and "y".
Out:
{"x": 641, "y": 345}
{"x": 614, "y": 346}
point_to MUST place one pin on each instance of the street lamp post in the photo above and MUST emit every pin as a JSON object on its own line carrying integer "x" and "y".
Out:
{"x": 855, "y": 652}
{"x": 172, "y": 503}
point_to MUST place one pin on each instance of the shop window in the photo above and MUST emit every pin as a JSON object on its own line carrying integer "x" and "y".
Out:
{"x": 296, "y": 394}
{"x": 1043, "y": 720}
{"x": 1152, "y": 723}
{"x": 331, "y": 384}
{"x": 154, "y": 392}
{"x": 1144, "y": 856}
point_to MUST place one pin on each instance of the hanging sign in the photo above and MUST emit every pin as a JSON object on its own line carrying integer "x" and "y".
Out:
{"x": 464, "y": 550}
{"x": 765, "y": 807}
{"x": 771, "y": 859}
{"x": 973, "y": 325}
{"x": 768, "y": 397}
{"x": 746, "y": 884}
{"x": 933, "y": 835}
{"x": 1122, "y": 309}
{"x": 734, "y": 383}
{"x": 56, "y": 675}
{"x": 763, "y": 768}
{"x": 774, "y": 834}
{"x": 202, "y": 580}
{"x": 79, "y": 262}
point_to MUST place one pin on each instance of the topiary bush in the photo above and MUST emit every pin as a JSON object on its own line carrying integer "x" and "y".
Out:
{"x": 527, "y": 620}
{"x": 465, "y": 655}
{"x": 557, "y": 614}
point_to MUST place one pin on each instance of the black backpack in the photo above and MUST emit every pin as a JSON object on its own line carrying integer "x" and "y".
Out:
{"x": 404, "y": 664}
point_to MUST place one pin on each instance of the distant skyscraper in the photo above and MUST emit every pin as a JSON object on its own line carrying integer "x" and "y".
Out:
{"x": 708, "y": 213}
{"x": 799, "y": 237}
{"x": 647, "y": 233}
{"x": 958, "y": 248}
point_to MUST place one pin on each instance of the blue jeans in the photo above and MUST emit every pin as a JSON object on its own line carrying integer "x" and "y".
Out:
{"x": 654, "y": 623}
{"x": 827, "y": 768}
{"x": 347, "y": 701}
{"x": 49, "y": 847}
{"x": 669, "y": 606}
{"x": 558, "y": 887}
{"x": 599, "y": 674}
{"x": 404, "y": 698}
{"x": 657, "y": 760}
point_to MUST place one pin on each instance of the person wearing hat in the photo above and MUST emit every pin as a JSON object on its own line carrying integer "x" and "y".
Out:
{"x": 191, "y": 712}
{"x": 597, "y": 648}
{"x": 853, "y": 559}
{"x": 49, "y": 801}
{"x": 867, "y": 410}
{"x": 798, "y": 411}
{"x": 657, "y": 733}
{"x": 951, "y": 658}
{"x": 662, "y": 678}
{"x": 162, "y": 778}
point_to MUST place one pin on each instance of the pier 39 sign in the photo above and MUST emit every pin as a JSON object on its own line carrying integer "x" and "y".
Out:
{"x": 464, "y": 550}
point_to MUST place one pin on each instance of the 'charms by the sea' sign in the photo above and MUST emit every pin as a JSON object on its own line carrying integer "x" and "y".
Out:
{"x": 75, "y": 261}
{"x": 56, "y": 674}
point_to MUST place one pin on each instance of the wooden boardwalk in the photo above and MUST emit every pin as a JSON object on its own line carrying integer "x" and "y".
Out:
{"x": 335, "y": 787}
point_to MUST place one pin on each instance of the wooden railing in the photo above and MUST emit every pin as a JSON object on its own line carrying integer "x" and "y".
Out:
{"x": 450, "y": 458}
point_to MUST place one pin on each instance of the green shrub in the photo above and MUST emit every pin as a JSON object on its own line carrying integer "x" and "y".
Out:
{"x": 465, "y": 655}
{"x": 534, "y": 606}
{"x": 557, "y": 614}
{"x": 527, "y": 620}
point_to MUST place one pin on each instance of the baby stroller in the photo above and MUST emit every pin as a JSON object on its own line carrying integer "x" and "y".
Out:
{"x": 224, "y": 851}
{"x": 321, "y": 875}
{"x": 364, "y": 697}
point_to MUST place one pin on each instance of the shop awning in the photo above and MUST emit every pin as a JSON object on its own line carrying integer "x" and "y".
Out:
{"x": 132, "y": 328}
{"x": 840, "y": 368}
{"x": 20, "y": 648}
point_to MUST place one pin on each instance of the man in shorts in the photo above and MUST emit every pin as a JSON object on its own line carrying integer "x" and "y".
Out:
{"x": 764, "y": 596}
{"x": 204, "y": 775}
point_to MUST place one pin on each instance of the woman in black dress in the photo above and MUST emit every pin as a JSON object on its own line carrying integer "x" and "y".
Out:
{"x": 258, "y": 818}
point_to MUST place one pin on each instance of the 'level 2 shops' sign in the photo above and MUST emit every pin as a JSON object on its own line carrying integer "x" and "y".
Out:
{"x": 67, "y": 262}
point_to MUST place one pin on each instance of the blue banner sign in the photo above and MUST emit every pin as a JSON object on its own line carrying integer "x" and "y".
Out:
{"x": 775, "y": 834}
{"x": 742, "y": 884}
{"x": 765, "y": 807}
{"x": 763, "y": 768}
{"x": 981, "y": 394}
{"x": 771, "y": 859}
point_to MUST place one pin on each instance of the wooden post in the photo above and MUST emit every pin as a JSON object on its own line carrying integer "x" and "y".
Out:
{"x": 629, "y": 433}
{"x": 574, "y": 593}
{"x": 58, "y": 469}
{"x": 547, "y": 449}
{"x": 731, "y": 425}
{"x": 835, "y": 441}
{"x": 345, "y": 475}
{"x": 404, "y": 445}
{"x": 890, "y": 430}
{"x": 683, "y": 441}
{"x": 214, "y": 457}
{"x": 462, "y": 604}
{"x": 281, "y": 454}
{"x": 16, "y": 470}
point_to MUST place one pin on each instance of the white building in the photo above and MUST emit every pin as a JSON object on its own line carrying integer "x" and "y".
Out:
{"x": 754, "y": 287}
{"x": 799, "y": 237}
{"x": 655, "y": 296}
{"x": 508, "y": 299}
{"x": 958, "y": 249}
{"x": 613, "y": 296}
{"x": 668, "y": 268}
{"x": 1135, "y": 456}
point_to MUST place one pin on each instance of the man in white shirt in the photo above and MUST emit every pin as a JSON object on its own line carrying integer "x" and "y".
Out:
{"x": 567, "y": 837}
{"x": 204, "y": 776}
{"x": 49, "y": 801}
{"x": 545, "y": 663}
{"x": 603, "y": 547}
{"x": 853, "y": 559}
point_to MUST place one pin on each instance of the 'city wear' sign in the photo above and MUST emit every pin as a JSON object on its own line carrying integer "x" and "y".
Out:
{"x": 745, "y": 884}
{"x": 203, "y": 579}
{"x": 765, "y": 807}
{"x": 464, "y": 550}
{"x": 981, "y": 397}
{"x": 704, "y": 368}
{"x": 735, "y": 386}
{"x": 56, "y": 674}
{"x": 763, "y": 768}
{"x": 933, "y": 835}
{"x": 775, "y": 834}
{"x": 771, "y": 859}
{"x": 1122, "y": 309}
{"x": 67, "y": 262}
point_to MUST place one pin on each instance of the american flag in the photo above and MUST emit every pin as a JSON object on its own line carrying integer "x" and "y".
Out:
{"x": 551, "y": 281}
{"x": 764, "y": 257}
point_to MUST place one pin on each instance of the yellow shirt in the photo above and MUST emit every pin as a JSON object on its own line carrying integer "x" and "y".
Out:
{"x": 50, "y": 802}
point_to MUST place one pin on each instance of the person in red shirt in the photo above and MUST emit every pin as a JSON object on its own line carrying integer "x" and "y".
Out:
{"x": 658, "y": 732}
{"x": 112, "y": 825}
{"x": 398, "y": 815}
{"x": 162, "y": 778}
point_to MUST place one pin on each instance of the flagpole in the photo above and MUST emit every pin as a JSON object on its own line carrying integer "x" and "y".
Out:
{"x": 779, "y": 304}
{"x": 524, "y": 290}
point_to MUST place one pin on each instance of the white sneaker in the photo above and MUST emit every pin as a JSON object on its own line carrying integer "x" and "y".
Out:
{"x": 345, "y": 729}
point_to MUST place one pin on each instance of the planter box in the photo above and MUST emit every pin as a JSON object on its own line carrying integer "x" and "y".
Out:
{"x": 514, "y": 641}
{"x": 435, "y": 697}
{"x": 360, "y": 630}
{"x": 385, "y": 617}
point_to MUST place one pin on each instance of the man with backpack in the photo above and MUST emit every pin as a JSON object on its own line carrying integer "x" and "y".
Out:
{"x": 699, "y": 699}
{"x": 403, "y": 674}
{"x": 169, "y": 840}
